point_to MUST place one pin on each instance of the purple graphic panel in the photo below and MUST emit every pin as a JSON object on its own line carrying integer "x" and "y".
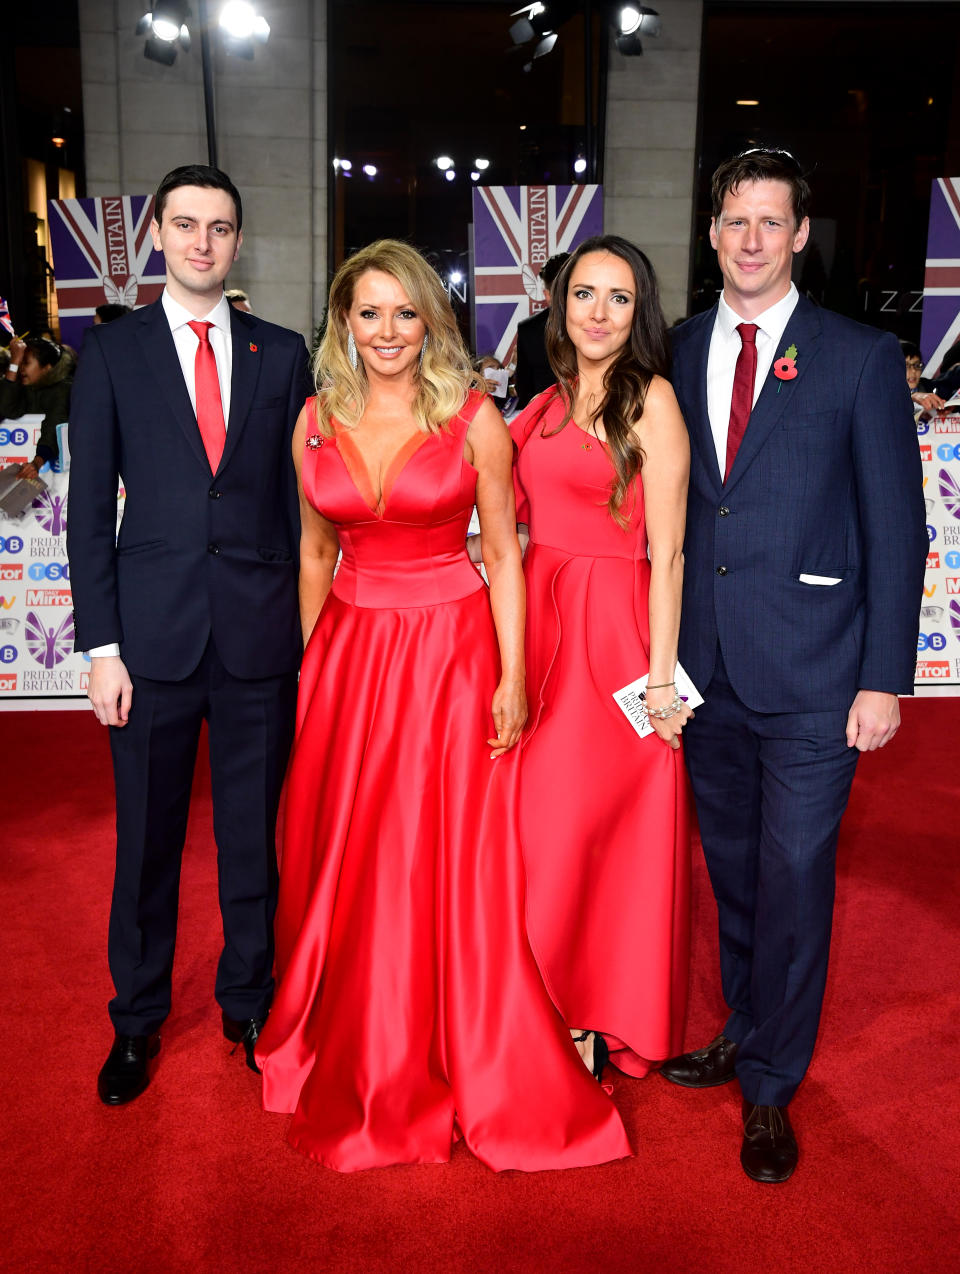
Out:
{"x": 941, "y": 285}
{"x": 102, "y": 254}
{"x": 515, "y": 230}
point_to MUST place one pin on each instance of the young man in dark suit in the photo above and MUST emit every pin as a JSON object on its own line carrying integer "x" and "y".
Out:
{"x": 805, "y": 554}
{"x": 190, "y": 613}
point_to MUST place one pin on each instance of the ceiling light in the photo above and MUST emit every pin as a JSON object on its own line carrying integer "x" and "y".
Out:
{"x": 456, "y": 276}
{"x": 370, "y": 170}
{"x": 474, "y": 176}
{"x": 450, "y": 175}
{"x": 747, "y": 101}
{"x": 580, "y": 165}
{"x": 634, "y": 21}
{"x": 482, "y": 164}
{"x": 443, "y": 162}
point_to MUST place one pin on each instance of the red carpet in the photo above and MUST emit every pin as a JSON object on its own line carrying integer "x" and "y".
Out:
{"x": 194, "y": 1177}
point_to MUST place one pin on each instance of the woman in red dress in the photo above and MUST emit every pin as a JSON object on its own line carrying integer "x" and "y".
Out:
{"x": 407, "y": 989}
{"x": 602, "y": 470}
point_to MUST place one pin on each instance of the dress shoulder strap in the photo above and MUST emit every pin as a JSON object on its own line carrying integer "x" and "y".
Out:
{"x": 523, "y": 425}
{"x": 461, "y": 421}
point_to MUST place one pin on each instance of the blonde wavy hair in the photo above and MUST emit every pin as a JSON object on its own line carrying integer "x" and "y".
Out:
{"x": 445, "y": 376}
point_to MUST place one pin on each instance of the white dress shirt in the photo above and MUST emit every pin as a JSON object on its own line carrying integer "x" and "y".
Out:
{"x": 725, "y": 346}
{"x": 186, "y": 342}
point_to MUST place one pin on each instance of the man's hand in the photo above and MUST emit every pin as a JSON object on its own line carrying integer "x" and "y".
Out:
{"x": 873, "y": 720}
{"x": 17, "y": 349}
{"x": 111, "y": 690}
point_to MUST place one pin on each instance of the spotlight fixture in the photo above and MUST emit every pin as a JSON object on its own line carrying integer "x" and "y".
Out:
{"x": 59, "y": 142}
{"x": 166, "y": 30}
{"x": 474, "y": 176}
{"x": 241, "y": 27}
{"x": 450, "y": 175}
{"x": 443, "y": 162}
{"x": 346, "y": 165}
{"x": 482, "y": 164}
{"x": 580, "y": 165}
{"x": 456, "y": 276}
{"x": 634, "y": 21}
{"x": 370, "y": 170}
{"x": 532, "y": 20}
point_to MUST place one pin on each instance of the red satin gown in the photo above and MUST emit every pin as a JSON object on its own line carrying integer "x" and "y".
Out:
{"x": 603, "y": 813}
{"x": 410, "y": 1010}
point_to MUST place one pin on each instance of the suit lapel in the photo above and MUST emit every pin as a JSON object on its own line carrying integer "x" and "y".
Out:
{"x": 693, "y": 371}
{"x": 777, "y": 396}
{"x": 247, "y": 360}
{"x": 156, "y": 340}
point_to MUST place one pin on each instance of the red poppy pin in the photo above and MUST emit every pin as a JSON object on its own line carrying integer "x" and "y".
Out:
{"x": 785, "y": 368}
{"x": 253, "y": 348}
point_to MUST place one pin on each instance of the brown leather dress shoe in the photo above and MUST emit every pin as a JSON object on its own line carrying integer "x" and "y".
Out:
{"x": 769, "y": 1152}
{"x": 706, "y": 1068}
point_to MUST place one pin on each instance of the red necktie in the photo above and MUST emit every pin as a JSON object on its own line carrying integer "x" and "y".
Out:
{"x": 213, "y": 431}
{"x": 741, "y": 403}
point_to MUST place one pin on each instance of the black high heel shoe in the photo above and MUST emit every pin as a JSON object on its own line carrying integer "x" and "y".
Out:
{"x": 601, "y": 1052}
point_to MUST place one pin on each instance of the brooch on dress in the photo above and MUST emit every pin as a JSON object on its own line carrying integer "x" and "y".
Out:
{"x": 315, "y": 442}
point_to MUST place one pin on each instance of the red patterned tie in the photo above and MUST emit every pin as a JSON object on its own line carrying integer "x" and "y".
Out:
{"x": 741, "y": 403}
{"x": 213, "y": 431}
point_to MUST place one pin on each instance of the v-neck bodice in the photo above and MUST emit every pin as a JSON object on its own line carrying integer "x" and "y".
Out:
{"x": 408, "y": 548}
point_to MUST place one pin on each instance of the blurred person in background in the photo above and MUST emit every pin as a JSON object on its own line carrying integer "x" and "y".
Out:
{"x": 37, "y": 382}
{"x": 109, "y": 313}
{"x": 239, "y": 300}
{"x": 533, "y": 373}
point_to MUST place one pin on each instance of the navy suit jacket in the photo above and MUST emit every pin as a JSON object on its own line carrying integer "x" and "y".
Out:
{"x": 827, "y": 481}
{"x": 197, "y": 553}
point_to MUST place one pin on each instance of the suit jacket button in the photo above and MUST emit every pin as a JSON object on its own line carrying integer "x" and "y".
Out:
{"x": 214, "y": 494}
{"x": 721, "y": 570}
{"x": 724, "y": 511}
{"x": 213, "y": 548}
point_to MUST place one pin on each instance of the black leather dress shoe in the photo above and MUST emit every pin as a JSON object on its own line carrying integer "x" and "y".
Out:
{"x": 244, "y": 1032}
{"x": 769, "y": 1152}
{"x": 706, "y": 1068}
{"x": 124, "y": 1074}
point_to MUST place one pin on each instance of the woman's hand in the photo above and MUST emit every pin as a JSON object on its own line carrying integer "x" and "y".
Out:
{"x": 509, "y": 715}
{"x": 670, "y": 729}
{"x": 928, "y": 400}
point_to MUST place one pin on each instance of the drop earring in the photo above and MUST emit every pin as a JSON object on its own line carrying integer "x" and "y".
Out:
{"x": 423, "y": 350}
{"x": 352, "y": 351}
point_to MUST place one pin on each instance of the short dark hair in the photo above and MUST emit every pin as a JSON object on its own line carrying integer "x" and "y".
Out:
{"x": 197, "y": 175}
{"x": 108, "y": 313}
{"x": 552, "y": 267}
{"x": 45, "y": 352}
{"x": 762, "y": 164}
{"x": 910, "y": 349}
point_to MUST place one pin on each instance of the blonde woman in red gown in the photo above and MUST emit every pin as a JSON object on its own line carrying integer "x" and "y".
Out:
{"x": 408, "y": 997}
{"x": 602, "y": 470}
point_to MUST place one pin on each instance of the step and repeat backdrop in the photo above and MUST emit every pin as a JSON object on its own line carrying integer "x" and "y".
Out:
{"x": 938, "y": 647}
{"x": 37, "y": 660}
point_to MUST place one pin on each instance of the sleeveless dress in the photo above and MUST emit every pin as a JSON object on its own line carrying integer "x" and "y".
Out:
{"x": 410, "y": 1010}
{"x": 604, "y": 819}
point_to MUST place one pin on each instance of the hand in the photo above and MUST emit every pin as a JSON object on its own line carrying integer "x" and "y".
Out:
{"x": 929, "y": 401}
{"x": 110, "y": 690}
{"x": 509, "y": 715}
{"x": 17, "y": 349}
{"x": 671, "y": 729}
{"x": 30, "y": 469}
{"x": 873, "y": 720}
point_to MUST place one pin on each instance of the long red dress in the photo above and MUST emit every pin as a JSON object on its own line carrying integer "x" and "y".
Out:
{"x": 410, "y": 1009}
{"x": 603, "y": 813}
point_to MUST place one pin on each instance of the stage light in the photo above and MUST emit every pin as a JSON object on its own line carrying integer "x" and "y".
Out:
{"x": 166, "y": 30}
{"x": 241, "y": 26}
{"x": 443, "y": 162}
{"x": 346, "y": 165}
{"x": 474, "y": 176}
{"x": 456, "y": 276}
{"x": 634, "y": 21}
{"x": 747, "y": 101}
{"x": 370, "y": 170}
{"x": 580, "y": 165}
{"x": 450, "y": 175}
{"x": 482, "y": 164}
{"x": 532, "y": 20}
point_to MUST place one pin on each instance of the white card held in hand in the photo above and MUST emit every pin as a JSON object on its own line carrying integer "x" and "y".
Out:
{"x": 632, "y": 700}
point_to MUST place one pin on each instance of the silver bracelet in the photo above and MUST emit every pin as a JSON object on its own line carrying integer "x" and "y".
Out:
{"x": 670, "y": 710}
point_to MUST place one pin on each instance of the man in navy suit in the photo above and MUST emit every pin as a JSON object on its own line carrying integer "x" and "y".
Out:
{"x": 805, "y": 554}
{"x": 190, "y": 612}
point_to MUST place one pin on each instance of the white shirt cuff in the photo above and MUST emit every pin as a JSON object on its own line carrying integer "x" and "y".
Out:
{"x": 101, "y": 652}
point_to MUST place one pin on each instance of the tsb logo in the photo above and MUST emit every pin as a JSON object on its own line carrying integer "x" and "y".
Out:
{"x": 952, "y": 559}
{"x": 931, "y": 641}
{"x": 49, "y": 570}
{"x": 12, "y": 544}
{"x": 13, "y": 437}
{"x": 931, "y": 533}
{"x": 946, "y": 452}
{"x": 7, "y": 654}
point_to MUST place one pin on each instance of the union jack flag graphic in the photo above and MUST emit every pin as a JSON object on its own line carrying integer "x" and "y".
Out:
{"x": 5, "y": 320}
{"x": 940, "y": 328}
{"x": 102, "y": 254}
{"x": 515, "y": 230}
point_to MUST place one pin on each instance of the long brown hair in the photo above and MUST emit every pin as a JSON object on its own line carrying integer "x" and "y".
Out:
{"x": 625, "y": 382}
